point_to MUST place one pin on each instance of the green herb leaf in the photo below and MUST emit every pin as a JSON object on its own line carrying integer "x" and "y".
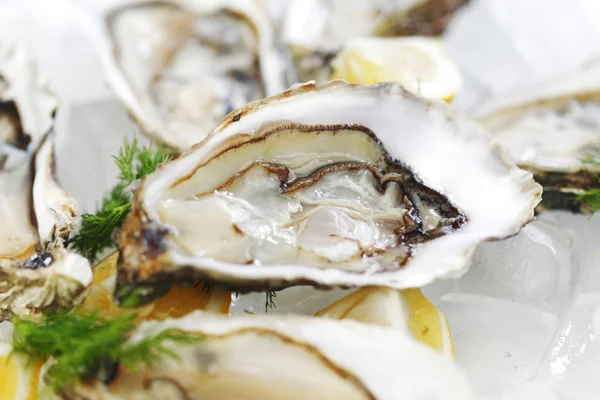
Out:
{"x": 591, "y": 198}
{"x": 82, "y": 345}
{"x": 96, "y": 233}
{"x": 125, "y": 161}
{"x": 96, "y": 230}
{"x": 150, "y": 158}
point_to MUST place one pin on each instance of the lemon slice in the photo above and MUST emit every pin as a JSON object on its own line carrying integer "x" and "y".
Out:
{"x": 176, "y": 303}
{"x": 18, "y": 378}
{"x": 407, "y": 310}
{"x": 419, "y": 64}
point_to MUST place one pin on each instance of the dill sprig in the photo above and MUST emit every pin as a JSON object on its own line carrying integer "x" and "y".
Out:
{"x": 270, "y": 301}
{"x": 82, "y": 346}
{"x": 591, "y": 198}
{"x": 97, "y": 229}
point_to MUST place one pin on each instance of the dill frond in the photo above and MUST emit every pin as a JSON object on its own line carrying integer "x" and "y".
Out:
{"x": 125, "y": 161}
{"x": 82, "y": 345}
{"x": 591, "y": 198}
{"x": 270, "y": 302}
{"x": 150, "y": 158}
{"x": 97, "y": 229}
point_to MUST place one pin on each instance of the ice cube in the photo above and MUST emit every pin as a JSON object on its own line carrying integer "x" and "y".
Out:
{"x": 497, "y": 342}
{"x": 532, "y": 268}
{"x": 525, "y": 41}
{"x": 587, "y": 252}
{"x": 531, "y": 390}
{"x": 572, "y": 363}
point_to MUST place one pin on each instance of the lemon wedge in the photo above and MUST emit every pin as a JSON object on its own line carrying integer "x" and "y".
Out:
{"x": 419, "y": 64}
{"x": 407, "y": 310}
{"x": 18, "y": 378}
{"x": 176, "y": 303}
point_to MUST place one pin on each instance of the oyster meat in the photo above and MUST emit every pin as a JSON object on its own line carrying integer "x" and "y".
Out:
{"x": 550, "y": 129}
{"x": 285, "y": 358}
{"x": 179, "y": 66}
{"x": 343, "y": 185}
{"x": 36, "y": 270}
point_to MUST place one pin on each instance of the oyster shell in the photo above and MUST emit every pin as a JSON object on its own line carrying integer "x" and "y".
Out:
{"x": 26, "y": 105}
{"x": 286, "y": 358}
{"x": 36, "y": 270}
{"x": 343, "y": 185}
{"x": 315, "y": 30}
{"x": 549, "y": 129}
{"x": 179, "y": 66}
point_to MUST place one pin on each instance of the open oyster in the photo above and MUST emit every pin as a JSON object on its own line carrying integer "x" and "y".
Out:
{"x": 343, "y": 185}
{"x": 36, "y": 270}
{"x": 285, "y": 358}
{"x": 180, "y": 66}
{"x": 315, "y": 30}
{"x": 549, "y": 130}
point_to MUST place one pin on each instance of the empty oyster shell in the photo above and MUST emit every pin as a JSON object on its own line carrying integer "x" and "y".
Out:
{"x": 343, "y": 185}
{"x": 36, "y": 270}
{"x": 549, "y": 129}
{"x": 256, "y": 357}
{"x": 179, "y": 66}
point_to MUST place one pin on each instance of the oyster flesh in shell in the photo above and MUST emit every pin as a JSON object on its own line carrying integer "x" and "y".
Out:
{"x": 36, "y": 271}
{"x": 266, "y": 357}
{"x": 180, "y": 66}
{"x": 549, "y": 130}
{"x": 343, "y": 185}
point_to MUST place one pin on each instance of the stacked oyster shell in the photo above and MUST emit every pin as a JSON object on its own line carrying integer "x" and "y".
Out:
{"x": 37, "y": 272}
{"x": 335, "y": 185}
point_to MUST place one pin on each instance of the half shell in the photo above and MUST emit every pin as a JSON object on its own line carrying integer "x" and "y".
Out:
{"x": 36, "y": 271}
{"x": 179, "y": 66}
{"x": 550, "y": 129}
{"x": 343, "y": 185}
{"x": 286, "y": 358}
